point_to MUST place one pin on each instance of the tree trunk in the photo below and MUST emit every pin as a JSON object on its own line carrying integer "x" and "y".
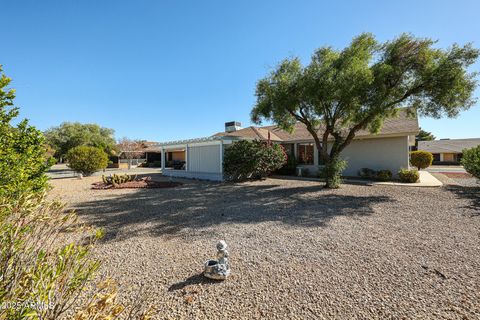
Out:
{"x": 129, "y": 163}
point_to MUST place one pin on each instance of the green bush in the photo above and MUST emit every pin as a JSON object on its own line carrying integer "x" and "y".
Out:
{"x": 421, "y": 159}
{"x": 367, "y": 173}
{"x": 156, "y": 163}
{"x": 471, "y": 161}
{"x": 408, "y": 176}
{"x": 87, "y": 160}
{"x": 23, "y": 154}
{"x": 45, "y": 261}
{"x": 332, "y": 172}
{"x": 38, "y": 267}
{"x": 252, "y": 160}
{"x": 383, "y": 175}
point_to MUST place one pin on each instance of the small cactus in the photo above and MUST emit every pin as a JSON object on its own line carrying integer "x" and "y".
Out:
{"x": 117, "y": 179}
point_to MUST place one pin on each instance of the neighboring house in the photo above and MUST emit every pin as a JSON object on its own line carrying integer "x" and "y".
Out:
{"x": 447, "y": 151}
{"x": 151, "y": 154}
{"x": 389, "y": 149}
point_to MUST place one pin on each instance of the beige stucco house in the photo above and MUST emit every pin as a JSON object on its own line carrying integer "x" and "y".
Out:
{"x": 389, "y": 149}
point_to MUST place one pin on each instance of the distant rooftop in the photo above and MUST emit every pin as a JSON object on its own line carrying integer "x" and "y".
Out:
{"x": 448, "y": 145}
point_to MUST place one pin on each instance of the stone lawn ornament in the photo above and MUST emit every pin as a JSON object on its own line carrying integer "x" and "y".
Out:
{"x": 218, "y": 269}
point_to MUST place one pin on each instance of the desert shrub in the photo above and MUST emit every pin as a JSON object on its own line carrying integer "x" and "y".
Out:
{"x": 408, "y": 176}
{"x": 471, "y": 161}
{"x": 252, "y": 160}
{"x": 421, "y": 159}
{"x": 367, "y": 173}
{"x": 23, "y": 153}
{"x": 87, "y": 160}
{"x": 45, "y": 264}
{"x": 44, "y": 252}
{"x": 383, "y": 175}
{"x": 332, "y": 172}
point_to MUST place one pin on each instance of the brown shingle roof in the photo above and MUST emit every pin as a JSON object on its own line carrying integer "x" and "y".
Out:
{"x": 448, "y": 146}
{"x": 402, "y": 124}
{"x": 251, "y": 133}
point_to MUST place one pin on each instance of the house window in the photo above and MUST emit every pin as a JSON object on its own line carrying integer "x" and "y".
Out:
{"x": 305, "y": 153}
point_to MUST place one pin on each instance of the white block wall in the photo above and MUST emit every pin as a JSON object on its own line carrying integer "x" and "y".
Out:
{"x": 204, "y": 158}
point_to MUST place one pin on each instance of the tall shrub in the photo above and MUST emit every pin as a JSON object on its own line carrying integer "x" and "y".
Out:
{"x": 332, "y": 172}
{"x": 23, "y": 159}
{"x": 87, "y": 160}
{"x": 252, "y": 160}
{"x": 471, "y": 161}
{"x": 421, "y": 159}
{"x": 44, "y": 271}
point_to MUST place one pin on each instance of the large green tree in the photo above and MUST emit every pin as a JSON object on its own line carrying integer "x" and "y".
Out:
{"x": 341, "y": 92}
{"x": 23, "y": 158}
{"x": 69, "y": 135}
{"x": 424, "y": 136}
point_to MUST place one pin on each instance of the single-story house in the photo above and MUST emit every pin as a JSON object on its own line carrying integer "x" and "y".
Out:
{"x": 447, "y": 151}
{"x": 203, "y": 157}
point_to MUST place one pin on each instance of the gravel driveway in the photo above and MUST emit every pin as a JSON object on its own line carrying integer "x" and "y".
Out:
{"x": 297, "y": 250}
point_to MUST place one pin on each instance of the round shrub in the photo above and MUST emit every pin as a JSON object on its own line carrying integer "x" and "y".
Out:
{"x": 421, "y": 159}
{"x": 408, "y": 176}
{"x": 471, "y": 161}
{"x": 87, "y": 160}
{"x": 383, "y": 175}
{"x": 252, "y": 160}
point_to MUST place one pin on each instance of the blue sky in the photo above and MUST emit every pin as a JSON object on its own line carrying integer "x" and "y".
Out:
{"x": 163, "y": 70}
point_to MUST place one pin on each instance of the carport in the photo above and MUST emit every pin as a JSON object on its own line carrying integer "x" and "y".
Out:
{"x": 202, "y": 158}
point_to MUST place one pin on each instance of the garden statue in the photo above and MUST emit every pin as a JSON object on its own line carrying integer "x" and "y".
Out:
{"x": 218, "y": 269}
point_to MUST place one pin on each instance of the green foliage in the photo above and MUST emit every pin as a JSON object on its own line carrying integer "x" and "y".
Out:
{"x": 342, "y": 92}
{"x": 471, "y": 161}
{"x": 69, "y": 135}
{"x": 44, "y": 272}
{"x": 34, "y": 265}
{"x": 421, "y": 159}
{"x": 383, "y": 175}
{"x": 424, "y": 136}
{"x": 117, "y": 179}
{"x": 332, "y": 172}
{"x": 87, "y": 160}
{"x": 252, "y": 160}
{"x": 367, "y": 173}
{"x": 23, "y": 157}
{"x": 408, "y": 176}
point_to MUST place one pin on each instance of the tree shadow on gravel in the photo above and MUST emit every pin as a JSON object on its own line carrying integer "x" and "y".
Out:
{"x": 471, "y": 194}
{"x": 190, "y": 209}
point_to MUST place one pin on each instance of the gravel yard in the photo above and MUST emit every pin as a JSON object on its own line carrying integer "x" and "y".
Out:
{"x": 296, "y": 250}
{"x": 457, "y": 179}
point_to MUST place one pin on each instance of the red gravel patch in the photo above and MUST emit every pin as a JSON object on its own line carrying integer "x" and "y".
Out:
{"x": 138, "y": 184}
{"x": 457, "y": 175}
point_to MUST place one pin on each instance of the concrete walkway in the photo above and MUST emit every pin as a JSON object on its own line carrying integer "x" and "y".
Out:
{"x": 426, "y": 180}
